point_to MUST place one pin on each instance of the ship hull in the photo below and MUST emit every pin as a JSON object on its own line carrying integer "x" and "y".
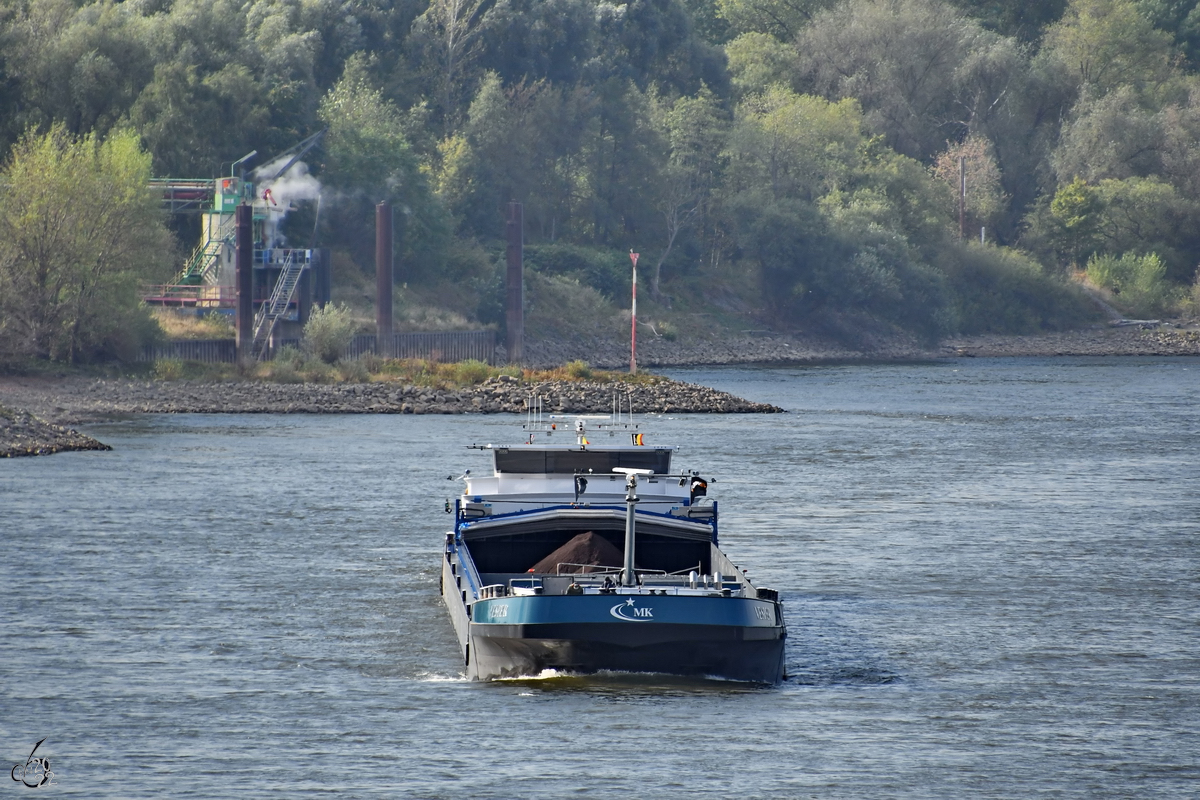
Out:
{"x": 738, "y": 639}
{"x": 705, "y": 651}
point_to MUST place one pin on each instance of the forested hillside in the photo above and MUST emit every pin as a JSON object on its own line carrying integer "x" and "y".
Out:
{"x": 793, "y": 161}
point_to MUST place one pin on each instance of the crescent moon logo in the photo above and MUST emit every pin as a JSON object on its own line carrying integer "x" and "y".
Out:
{"x": 628, "y": 612}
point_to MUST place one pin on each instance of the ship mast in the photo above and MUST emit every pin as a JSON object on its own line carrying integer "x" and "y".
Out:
{"x": 631, "y": 475}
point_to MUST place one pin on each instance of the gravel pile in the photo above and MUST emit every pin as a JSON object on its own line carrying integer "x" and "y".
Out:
{"x": 22, "y": 434}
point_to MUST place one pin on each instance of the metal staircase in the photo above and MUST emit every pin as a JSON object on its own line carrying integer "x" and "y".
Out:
{"x": 204, "y": 265}
{"x": 281, "y": 298}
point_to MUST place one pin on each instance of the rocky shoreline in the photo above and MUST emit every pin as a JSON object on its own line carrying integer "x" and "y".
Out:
{"x": 1131, "y": 340}
{"x": 72, "y": 400}
{"x": 51, "y": 403}
{"x": 1170, "y": 339}
{"x": 23, "y": 434}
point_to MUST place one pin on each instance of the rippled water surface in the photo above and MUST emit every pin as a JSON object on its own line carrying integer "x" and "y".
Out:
{"x": 991, "y": 571}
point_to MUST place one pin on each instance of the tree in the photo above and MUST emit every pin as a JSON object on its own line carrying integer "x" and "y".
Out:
{"x": 1180, "y": 18}
{"x": 1075, "y": 210}
{"x": 1019, "y": 18}
{"x": 532, "y": 40}
{"x": 985, "y": 195}
{"x": 367, "y": 160}
{"x": 452, "y": 29}
{"x": 695, "y": 131}
{"x": 794, "y": 145}
{"x": 1112, "y": 136}
{"x": 835, "y": 221}
{"x": 1138, "y": 281}
{"x": 758, "y": 61}
{"x": 78, "y": 230}
{"x": 1108, "y": 43}
{"x": 922, "y": 72}
{"x": 1148, "y": 215}
{"x": 782, "y": 19}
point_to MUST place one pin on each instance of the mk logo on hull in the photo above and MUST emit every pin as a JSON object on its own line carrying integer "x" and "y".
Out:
{"x": 629, "y": 612}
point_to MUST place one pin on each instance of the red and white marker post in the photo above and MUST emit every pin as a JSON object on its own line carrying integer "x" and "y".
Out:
{"x": 633, "y": 335}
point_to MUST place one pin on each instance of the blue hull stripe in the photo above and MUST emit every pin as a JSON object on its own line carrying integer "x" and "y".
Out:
{"x": 628, "y": 609}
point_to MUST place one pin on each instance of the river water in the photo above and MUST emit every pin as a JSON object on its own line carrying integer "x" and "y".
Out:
{"x": 991, "y": 571}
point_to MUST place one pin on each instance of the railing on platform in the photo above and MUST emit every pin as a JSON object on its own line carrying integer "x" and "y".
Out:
{"x": 181, "y": 296}
{"x": 184, "y": 194}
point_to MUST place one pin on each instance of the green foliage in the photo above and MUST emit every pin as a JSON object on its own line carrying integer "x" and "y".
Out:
{"x": 790, "y": 142}
{"x": 78, "y": 230}
{"x": 578, "y": 369}
{"x": 1019, "y": 18}
{"x": 921, "y": 71}
{"x": 369, "y": 159}
{"x": 607, "y": 271}
{"x": 999, "y": 290}
{"x": 758, "y": 61}
{"x": 1136, "y": 281}
{"x": 328, "y": 331}
{"x": 667, "y": 330}
{"x": 352, "y": 372}
{"x": 1113, "y": 136}
{"x": 471, "y": 371}
{"x": 796, "y": 146}
{"x": 781, "y": 19}
{"x": 1105, "y": 44}
{"x": 168, "y": 369}
{"x": 1145, "y": 214}
{"x": 1063, "y": 230}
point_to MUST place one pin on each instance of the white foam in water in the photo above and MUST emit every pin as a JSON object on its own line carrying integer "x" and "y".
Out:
{"x": 429, "y": 677}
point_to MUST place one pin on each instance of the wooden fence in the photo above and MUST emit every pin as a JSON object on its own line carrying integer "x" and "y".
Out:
{"x": 445, "y": 346}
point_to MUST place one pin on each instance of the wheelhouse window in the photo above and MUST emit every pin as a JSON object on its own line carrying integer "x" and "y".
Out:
{"x": 571, "y": 462}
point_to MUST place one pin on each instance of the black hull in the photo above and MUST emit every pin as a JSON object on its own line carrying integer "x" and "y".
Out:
{"x": 721, "y": 651}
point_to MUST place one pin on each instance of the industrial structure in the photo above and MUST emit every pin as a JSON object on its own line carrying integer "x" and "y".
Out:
{"x": 241, "y": 267}
{"x": 284, "y": 282}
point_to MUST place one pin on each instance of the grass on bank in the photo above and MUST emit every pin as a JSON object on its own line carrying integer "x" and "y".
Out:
{"x": 295, "y": 366}
{"x": 177, "y": 324}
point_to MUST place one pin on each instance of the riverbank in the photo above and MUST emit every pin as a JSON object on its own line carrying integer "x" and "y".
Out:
{"x": 23, "y": 434}
{"x": 75, "y": 399}
{"x": 50, "y": 403}
{"x": 1101, "y": 340}
{"x": 1098, "y": 341}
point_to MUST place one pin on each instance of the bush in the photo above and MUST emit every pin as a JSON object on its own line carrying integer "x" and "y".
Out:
{"x": 353, "y": 372}
{"x": 328, "y": 331}
{"x": 1138, "y": 282}
{"x": 607, "y": 271}
{"x": 579, "y": 370}
{"x": 666, "y": 330}
{"x": 998, "y": 290}
{"x": 471, "y": 372}
{"x": 168, "y": 369}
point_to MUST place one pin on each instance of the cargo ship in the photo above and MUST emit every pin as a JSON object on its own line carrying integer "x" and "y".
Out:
{"x": 583, "y": 550}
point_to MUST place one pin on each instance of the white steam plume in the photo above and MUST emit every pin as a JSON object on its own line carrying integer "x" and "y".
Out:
{"x": 277, "y": 196}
